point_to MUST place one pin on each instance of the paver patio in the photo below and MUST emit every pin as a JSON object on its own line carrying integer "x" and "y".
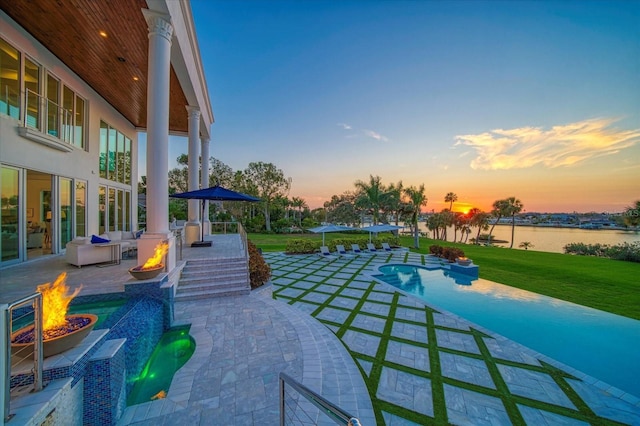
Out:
{"x": 423, "y": 365}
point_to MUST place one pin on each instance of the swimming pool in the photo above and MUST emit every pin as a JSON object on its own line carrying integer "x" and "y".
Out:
{"x": 598, "y": 343}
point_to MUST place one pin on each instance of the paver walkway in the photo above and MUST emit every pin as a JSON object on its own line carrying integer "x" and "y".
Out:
{"x": 426, "y": 366}
{"x": 243, "y": 343}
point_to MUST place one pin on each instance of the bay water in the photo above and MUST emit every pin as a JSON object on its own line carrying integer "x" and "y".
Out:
{"x": 550, "y": 239}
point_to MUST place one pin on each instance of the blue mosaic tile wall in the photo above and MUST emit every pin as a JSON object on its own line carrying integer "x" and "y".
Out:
{"x": 142, "y": 320}
{"x": 105, "y": 387}
{"x": 142, "y": 326}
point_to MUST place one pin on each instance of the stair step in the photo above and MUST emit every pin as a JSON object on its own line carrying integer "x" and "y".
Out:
{"x": 211, "y": 283}
{"x": 218, "y": 261}
{"x": 213, "y": 272}
{"x": 211, "y": 293}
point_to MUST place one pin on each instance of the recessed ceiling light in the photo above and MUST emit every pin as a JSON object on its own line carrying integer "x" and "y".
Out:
{"x": 135, "y": 79}
{"x": 103, "y": 33}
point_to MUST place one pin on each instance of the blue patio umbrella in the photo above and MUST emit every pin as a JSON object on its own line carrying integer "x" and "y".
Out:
{"x": 384, "y": 227}
{"x": 214, "y": 193}
{"x": 330, "y": 228}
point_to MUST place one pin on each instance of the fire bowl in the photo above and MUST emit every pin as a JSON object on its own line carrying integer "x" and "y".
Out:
{"x": 55, "y": 345}
{"x": 463, "y": 261}
{"x": 145, "y": 274}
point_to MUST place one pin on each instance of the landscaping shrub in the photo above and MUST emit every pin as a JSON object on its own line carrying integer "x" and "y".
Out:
{"x": 449, "y": 253}
{"x": 301, "y": 246}
{"x": 629, "y": 252}
{"x": 259, "y": 270}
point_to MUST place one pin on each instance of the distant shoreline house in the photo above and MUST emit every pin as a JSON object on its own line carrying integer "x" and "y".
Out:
{"x": 78, "y": 82}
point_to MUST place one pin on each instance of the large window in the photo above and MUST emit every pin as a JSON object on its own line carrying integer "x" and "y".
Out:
{"x": 9, "y": 228}
{"x": 51, "y": 106}
{"x": 32, "y": 93}
{"x": 115, "y": 155}
{"x": 53, "y": 110}
{"x": 9, "y": 80}
{"x": 81, "y": 211}
{"x": 66, "y": 211}
{"x": 102, "y": 209}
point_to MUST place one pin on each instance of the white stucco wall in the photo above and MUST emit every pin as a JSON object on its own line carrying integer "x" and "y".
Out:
{"x": 81, "y": 164}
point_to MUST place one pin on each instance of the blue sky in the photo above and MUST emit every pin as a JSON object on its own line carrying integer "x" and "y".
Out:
{"x": 538, "y": 100}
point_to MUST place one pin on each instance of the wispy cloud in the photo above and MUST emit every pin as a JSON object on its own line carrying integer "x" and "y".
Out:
{"x": 376, "y": 135}
{"x": 563, "y": 145}
{"x": 344, "y": 126}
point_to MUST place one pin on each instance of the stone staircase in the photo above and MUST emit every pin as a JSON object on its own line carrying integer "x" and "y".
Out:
{"x": 201, "y": 279}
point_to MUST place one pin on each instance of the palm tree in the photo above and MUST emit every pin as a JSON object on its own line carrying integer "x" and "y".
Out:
{"x": 300, "y": 204}
{"x": 391, "y": 201}
{"x": 513, "y": 207}
{"x": 371, "y": 195}
{"x": 418, "y": 199}
{"x": 479, "y": 219}
{"x": 632, "y": 215}
{"x": 526, "y": 245}
{"x": 450, "y": 198}
{"x": 499, "y": 210}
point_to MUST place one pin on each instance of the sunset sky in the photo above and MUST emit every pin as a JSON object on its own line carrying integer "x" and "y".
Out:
{"x": 537, "y": 100}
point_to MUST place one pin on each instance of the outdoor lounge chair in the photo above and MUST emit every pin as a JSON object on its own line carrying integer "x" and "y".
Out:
{"x": 325, "y": 253}
{"x": 343, "y": 252}
{"x": 372, "y": 248}
{"x": 355, "y": 248}
{"x": 386, "y": 247}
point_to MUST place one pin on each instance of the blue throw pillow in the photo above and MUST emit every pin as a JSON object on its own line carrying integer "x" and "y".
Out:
{"x": 139, "y": 234}
{"x": 97, "y": 240}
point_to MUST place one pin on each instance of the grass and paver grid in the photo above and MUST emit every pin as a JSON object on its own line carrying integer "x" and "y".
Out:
{"x": 423, "y": 365}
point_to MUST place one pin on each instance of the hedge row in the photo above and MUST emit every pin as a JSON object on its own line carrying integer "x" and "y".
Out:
{"x": 300, "y": 246}
{"x": 629, "y": 252}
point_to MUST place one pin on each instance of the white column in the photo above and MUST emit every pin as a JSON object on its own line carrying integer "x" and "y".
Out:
{"x": 205, "y": 183}
{"x": 192, "y": 228}
{"x": 160, "y": 33}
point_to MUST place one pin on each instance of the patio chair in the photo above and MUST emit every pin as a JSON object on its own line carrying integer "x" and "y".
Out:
{"x": 386, "y": 247}
{"x": 342, "y": 251}
{"x": 371, "y": 248}
{"x": 325, "y": 253}
{"x": 355, "y": 248}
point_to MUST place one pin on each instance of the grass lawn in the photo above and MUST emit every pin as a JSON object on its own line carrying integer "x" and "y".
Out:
{"x": 604, "y": 284}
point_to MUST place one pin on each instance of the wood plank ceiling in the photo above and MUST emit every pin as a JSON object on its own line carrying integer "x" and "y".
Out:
{"x": 71, "y": 30}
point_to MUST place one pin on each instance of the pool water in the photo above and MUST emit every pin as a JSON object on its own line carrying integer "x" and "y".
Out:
{"x": 174, "y": 349}
{"x": 598, "y": 343}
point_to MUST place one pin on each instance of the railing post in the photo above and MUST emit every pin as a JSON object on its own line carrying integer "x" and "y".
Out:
{"x": 5, "y": 356}
{"x": 38, "y": 357}
{"x": 281, "y": 401}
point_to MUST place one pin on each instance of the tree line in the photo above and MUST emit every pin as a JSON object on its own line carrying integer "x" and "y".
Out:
{"x": 370, "y": 200}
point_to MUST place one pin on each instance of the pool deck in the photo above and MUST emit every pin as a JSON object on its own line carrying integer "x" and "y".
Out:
{"x": 346, "y": 337}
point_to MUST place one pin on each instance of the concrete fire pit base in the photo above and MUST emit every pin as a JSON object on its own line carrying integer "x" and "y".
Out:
{"x": 56, "y": 345}
{"x": 145, "y": 274}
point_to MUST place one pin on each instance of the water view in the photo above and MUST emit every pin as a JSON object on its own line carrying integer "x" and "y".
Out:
{"x": 597, "y": 343}
{"x": 551, "y": 239}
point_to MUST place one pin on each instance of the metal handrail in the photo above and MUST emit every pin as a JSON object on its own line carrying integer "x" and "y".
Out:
{"x": 245, "y": 245}
{"x": 337, "y": 414}
{"x": 63, "y": 116}
{"x": 36, "y": 301}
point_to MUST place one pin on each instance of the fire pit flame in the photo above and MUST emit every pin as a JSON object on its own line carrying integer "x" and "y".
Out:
{"x": 153, "y": 266}
{"x": 154, "y": 261}
{"x": 55, "y": 302}
{"x": 59, "y": 331}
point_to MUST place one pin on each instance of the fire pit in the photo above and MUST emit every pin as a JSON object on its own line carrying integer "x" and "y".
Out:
{"x": 57, "y": 340}
{"x": 153, "y": 266}
{"x": 141, "y": 273}
{"x": 60, "y": 332}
